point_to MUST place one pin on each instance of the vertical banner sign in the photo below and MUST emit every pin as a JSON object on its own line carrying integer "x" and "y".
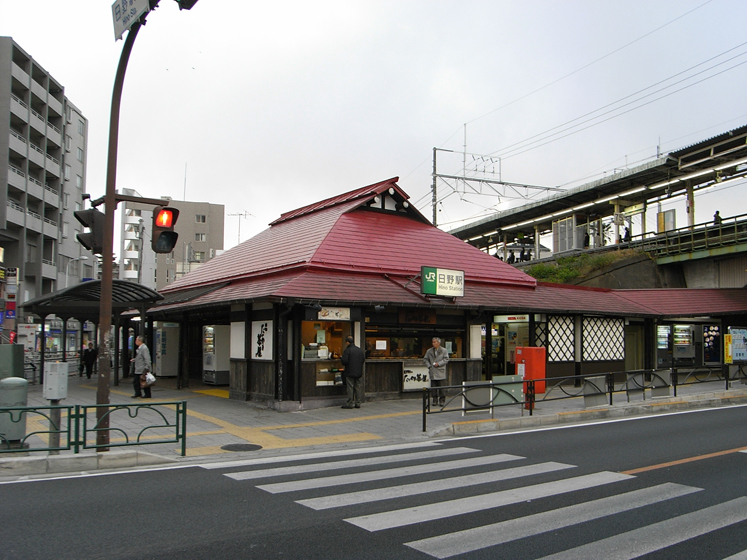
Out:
{"x": 262, "y": 340}
{"x": 441, "y": 282}
{"x": 727, "y": 350}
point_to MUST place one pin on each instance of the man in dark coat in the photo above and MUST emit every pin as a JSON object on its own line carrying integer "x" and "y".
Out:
{"x": 89, "y": 358}
{"x": 353, "y": 359}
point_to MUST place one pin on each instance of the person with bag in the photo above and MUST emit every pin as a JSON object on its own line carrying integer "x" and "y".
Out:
{"x": 435, "y": 360}
{"x": 142, "y": 369}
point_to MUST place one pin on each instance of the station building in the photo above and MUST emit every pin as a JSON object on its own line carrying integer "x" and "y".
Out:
{"x": 269, "y": 317}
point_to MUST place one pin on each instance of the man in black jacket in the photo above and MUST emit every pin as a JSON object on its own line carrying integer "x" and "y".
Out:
{"x": 353, "y": 359}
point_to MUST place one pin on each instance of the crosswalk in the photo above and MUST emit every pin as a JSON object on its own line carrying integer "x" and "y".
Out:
{"x": 490, "y": 482}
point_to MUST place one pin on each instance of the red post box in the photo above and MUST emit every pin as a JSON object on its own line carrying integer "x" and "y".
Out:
{"x": 531, "y": 362}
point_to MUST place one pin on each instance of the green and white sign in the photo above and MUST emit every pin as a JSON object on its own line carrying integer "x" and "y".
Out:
{"x": 441, "y": 282}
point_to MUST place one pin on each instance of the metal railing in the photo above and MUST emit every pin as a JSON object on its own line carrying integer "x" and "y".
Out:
{"x": 486, "y": 396}
{"x": 74, "y": 427}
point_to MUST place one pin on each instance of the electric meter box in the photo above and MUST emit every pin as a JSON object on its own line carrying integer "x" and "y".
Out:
{"x": 55, "y": 381}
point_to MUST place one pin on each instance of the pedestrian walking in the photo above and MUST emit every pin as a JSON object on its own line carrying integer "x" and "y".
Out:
{"x": 717, "y": 218}
{"x": 89, "y": 358}
{"x": 353, "y": 359}
{"x": 142, "y": 366}
{"x": 435, "y": 360}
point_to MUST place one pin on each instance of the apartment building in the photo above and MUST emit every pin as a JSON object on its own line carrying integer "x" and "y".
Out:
{"x": 200, "y": 228}
{"x": 43, "y": 151}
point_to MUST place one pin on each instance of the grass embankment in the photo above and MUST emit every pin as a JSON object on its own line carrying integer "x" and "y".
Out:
{"x": 567, "y": 270}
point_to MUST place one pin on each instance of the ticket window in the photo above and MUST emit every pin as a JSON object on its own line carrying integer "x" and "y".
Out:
{"x": 324, "y": 340}
{"x": 409, "y": 347}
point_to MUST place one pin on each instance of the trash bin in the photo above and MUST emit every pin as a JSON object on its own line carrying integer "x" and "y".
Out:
{"x": 11, "y": 360}
{"x": 13, "y": 392}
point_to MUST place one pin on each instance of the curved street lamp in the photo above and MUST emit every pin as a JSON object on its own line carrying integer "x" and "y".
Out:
{"x": 67, "y": 268}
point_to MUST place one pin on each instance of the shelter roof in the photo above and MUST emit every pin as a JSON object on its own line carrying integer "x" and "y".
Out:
{"x": 715, "y": 159}
{"x": 82, "y": 300}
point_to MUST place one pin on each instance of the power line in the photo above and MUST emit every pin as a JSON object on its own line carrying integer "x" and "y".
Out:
{"x": 586, "y": 65}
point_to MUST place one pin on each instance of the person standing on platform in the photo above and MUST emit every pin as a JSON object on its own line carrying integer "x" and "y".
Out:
{"x": 717, "y": 218}
{"x": 435, "y": 360}
{"x": 142, "y": 366}
{"x": 353, "y": 359}
{"x": 89, "y": 358}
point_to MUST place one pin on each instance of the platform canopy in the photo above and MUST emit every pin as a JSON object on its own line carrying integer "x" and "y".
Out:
{"x": 82, "y": 300}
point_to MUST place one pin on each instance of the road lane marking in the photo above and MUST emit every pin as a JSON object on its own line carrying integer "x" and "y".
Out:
{"x": 651, "y": 538}
{"x": 686, "y": 460}
{"x": 384, "y": 474}
{"x": 478, "y": 538}
{"x": 351, "y": 463}
{"x": 417, "y": 488}
{"x": 471, "y": 504}
{"x": 318, "y": 455}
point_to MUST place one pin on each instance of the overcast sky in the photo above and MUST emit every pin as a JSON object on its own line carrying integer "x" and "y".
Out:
{"x": 274, "y": 105}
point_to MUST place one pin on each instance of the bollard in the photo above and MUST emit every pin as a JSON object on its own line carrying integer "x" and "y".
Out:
{"x": 13, "y": 393}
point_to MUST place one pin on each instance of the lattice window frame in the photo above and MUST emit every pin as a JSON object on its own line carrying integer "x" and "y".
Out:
{"x": 603, "y": 339}
{"x": 540, "y": 334}
{"x": 561, "y": 338}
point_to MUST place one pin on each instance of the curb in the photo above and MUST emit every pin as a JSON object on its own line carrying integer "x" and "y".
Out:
{"x": 55, "y": 464}
{"x": 666, "y": 405}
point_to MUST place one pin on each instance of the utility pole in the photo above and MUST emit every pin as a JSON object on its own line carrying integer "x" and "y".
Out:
{"x": 105, "y": 307}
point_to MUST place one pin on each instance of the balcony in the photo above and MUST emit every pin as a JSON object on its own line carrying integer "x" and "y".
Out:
{"x": 34, "y": 188}
{"x": 18, "y": 143}
{"x": 36, "y": 154}
{"x": 16, "y": 213}
{"x": 38, "y": 90}
{"x": 48, "y": 269}
{"x": 19, "y": 74}
{"x": 50, "y": 228}
{"x": 51, "y": 197}
{"x": 54, "y": 135}
{"x": 33, "y": 221}
{"x": 54, "y": 105}
{"x": 38, "y": 122}
{"x": 16, "y": 178}
{"x": 53, "y": 165}
{"x": 19, "y": 108}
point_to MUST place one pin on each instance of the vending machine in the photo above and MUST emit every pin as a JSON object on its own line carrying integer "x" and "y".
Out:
{"x": 663, "y": 351}
{"x": 216, "y": 354}
{"x": 167, "y": 350}
{"x": 683, "y": 342}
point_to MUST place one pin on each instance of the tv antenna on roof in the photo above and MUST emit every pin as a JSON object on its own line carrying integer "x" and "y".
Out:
{"x": 243, "y": 214}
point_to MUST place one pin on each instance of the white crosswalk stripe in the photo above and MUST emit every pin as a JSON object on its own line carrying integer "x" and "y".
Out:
{"x": 318, "y": 467}
{"x": 451, "y": 508}
{"x": 384, "y": 474}
{"x": 493, "y": 470}
{"x": 659, "y": 535}
{"x": 446, "y": 546}
{"x": 414, "y": 489}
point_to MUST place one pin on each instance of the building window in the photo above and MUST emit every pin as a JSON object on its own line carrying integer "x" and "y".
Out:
{"x": 200, "y": 236}
{"x": 199, "y": 256}
{"x": 200, "y": 218}
{"x": 77, "y": 206}
{"x": 67, "y": 172}
{"x": 79, "y": 181}
{"x": 81, "y": 127}
{"x": 65, "y": 200}
{"x": 65, "y": 226}
{"x": 68, "y": 141}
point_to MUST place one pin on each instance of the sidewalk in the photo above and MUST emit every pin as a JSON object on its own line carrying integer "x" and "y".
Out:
{"x": 214, "y": 421}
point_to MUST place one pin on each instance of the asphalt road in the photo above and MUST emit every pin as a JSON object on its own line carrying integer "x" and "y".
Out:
{"x": 660, "y": 487}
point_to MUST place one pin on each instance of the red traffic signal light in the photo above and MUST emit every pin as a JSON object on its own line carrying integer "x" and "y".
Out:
{"x": 93, "y": 219}
{"x": 164, "y": 237}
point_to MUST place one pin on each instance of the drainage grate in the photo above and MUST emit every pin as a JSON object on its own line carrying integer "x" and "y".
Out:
{"x": 241, "y": 447}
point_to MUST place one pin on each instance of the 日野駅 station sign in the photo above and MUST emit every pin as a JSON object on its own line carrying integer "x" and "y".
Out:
{"x": 441, "y": 282}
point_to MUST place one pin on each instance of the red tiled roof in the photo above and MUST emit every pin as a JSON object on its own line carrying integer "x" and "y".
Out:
{"x": 338, "y": 233}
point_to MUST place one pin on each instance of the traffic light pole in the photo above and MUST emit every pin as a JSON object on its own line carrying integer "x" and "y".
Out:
{"x": 105, "y": 307}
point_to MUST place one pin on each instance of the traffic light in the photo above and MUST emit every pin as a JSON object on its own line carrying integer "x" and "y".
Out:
{"x": 92, "y": 240}
{"x": 186, "y": 4}
{"x": 164, "y": 237}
